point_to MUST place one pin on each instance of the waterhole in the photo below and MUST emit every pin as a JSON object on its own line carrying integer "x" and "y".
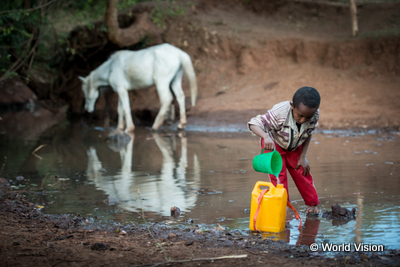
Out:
{"x": 72, "y": 169}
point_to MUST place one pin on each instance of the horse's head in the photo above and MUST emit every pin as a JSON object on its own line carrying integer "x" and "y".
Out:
{"x": 90, "y": 92}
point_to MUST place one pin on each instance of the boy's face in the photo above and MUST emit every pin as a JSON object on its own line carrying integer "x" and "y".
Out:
{"x": 302, "y": 113}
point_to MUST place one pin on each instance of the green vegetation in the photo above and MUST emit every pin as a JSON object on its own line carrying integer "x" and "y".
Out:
{"x": 33, "y": 33}
{"x": 19, "y": 35}
{"x": 30, "y": 29}
{"x": 160, "y": 14}
{"x": 75, "y": 13}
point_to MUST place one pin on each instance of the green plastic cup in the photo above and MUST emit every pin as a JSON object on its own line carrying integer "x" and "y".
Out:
{"x": 268, "y": 163}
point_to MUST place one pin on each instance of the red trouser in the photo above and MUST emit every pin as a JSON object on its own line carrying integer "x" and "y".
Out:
{"x": 303, "y": 183}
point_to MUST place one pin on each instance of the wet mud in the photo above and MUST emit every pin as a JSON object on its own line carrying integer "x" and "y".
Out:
{"x": 31, "y": 238}
{"x": 339, "y": 213}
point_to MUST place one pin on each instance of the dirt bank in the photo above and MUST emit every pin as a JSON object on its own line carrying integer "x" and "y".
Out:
{"x": 249, "y": 57}
{"x": 29, "y": 238}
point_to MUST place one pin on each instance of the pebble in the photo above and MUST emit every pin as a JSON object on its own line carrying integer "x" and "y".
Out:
{"x": 4, "y": 182}
{"x": 99, "y": 246}
{"x": 111, "y": 201}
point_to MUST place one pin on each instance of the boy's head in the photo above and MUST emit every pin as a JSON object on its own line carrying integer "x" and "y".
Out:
{"x": 305, "y": 103}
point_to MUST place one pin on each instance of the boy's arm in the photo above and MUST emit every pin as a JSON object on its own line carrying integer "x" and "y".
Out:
{"x": 261, "y": 125}
{"x": 302, "y": 161}
{"x": 268, "y": 142}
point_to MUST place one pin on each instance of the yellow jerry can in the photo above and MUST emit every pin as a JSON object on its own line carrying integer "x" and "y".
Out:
{"x": 268, "y": 208}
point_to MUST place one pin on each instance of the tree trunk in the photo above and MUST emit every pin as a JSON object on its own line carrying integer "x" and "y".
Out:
{"x": 141, "y": 27}
{"x": 113, "y": 30}
{"x": 353, "y": 12}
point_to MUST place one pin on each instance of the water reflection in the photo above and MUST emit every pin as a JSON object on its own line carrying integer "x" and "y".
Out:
{"x": 358, "y": 231}
{"x": 141, "y": 190}
{"x": 166, "y": 169}
{"x": 309, "y": 232}
{"x": 116, "y": 187}
{"x": 30, "y": 124}
{"x": 305, "y": 236}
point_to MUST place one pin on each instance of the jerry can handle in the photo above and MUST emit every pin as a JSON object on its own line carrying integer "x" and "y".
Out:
{"x": 269, "y": 184}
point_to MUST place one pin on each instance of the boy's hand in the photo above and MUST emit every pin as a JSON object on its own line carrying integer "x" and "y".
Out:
{"x": 303, "y": 162}
{"x": 269, "y": 143}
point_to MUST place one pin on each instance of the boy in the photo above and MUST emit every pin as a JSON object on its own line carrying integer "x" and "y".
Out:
{"x": 288, "y": 128}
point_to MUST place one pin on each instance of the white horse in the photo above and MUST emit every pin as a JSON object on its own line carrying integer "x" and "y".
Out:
{"x": 160, "y": 65}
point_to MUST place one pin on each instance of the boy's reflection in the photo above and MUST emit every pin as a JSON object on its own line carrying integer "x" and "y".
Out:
{"x": 309, "y": 231}
{"x": 307, "y": 234}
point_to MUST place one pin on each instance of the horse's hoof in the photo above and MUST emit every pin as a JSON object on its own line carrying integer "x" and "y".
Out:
{"x": 130, "y": 130}
{"x": 154, "y": 128}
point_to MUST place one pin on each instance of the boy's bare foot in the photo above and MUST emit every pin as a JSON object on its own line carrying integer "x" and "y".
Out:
{"x": 312, "y": 211}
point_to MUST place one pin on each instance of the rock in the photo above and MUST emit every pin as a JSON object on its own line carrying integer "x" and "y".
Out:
{"x": 4, "y": 182}
{"x": 111, "y": 200}
{"x": 19, "y": 178}
{"x": 219, "y": 228}
{"x": 171, "y": 235}
{"x": 189, "y": 243}
{"x": 99, "y": 246}
{"x": 364, "y": 257}
{"x": 15, "y": 91}
{"x": 118, "y": 139}
{"x": 339, "y": 213}
{"x": 175, "y": 211}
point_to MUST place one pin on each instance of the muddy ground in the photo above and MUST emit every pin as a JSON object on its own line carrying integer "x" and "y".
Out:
{"x": 247, "y": 58}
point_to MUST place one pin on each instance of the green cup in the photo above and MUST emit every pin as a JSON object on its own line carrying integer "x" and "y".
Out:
{"x": 268, "y": 163}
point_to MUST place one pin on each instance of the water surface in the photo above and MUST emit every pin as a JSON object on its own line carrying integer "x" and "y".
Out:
{"x": 209, "y": 176}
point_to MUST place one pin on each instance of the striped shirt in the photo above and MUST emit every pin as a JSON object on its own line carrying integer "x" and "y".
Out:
{"x": 281, "y": 126}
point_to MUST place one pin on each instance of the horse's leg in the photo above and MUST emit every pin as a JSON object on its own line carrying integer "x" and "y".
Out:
{"x": 180, "y": 97}
{"x": 166, "y": 97}
{"x": 171, "y": 114}
{"x": 126, "y": 108}
{"x": 120, "y": 114}
{"x": 172, "y": 111}
{"x": 107, "y": 96}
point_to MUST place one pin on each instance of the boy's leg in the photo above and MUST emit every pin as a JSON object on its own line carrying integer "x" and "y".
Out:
{"x": 304, "y": 184}
{"x": 282, "y": 179}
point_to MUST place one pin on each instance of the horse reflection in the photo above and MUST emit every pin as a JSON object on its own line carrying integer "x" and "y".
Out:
{"x": 139, "y": 190}
{"x": 119, "y": 186}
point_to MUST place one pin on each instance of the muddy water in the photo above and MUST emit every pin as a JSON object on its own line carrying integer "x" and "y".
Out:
{"x": 209, "y": 176}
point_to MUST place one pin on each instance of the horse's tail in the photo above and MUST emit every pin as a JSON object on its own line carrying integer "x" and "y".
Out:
{"x": 188, "y": 70}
